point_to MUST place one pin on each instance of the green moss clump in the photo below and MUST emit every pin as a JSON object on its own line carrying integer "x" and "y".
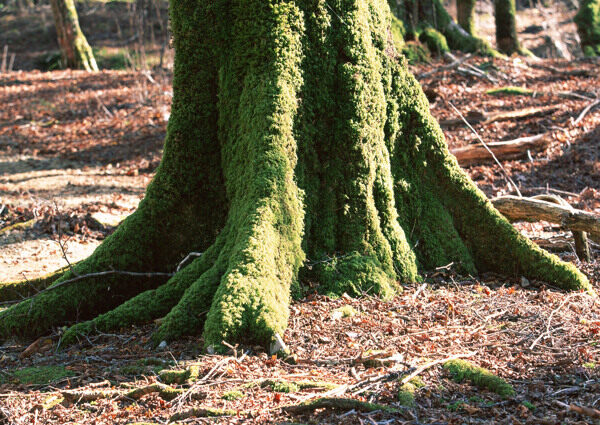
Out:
{"x": 232, "y": 395}
{"x": 285, "y": 387}
{"x": 462, "y": 370}
{"x": 174, "y": 376}
{"x": 588, "y": 26}
{"x": 10, "y": 291}
{"x": 416, "y": 53}
{"x": 434, "y": 40}
{"x": 41, "y": 375}
{"x": 510, "y": 90}
{"x": 355, "y": 275}
{"x": 406, "y": 395}
{"x": 346, "y": 311}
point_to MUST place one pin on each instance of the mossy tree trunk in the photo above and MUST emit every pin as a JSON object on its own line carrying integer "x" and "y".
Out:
{"x": 75, "y": 51}
{"x": 588, "y": 26}
{"x": 299, "y": 147}
{"x": 506, "y": 27}
{"x": 465, "y": 15}
{"x": 429, "y": 22}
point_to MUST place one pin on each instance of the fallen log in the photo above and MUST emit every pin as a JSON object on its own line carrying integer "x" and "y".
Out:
{"x": 510, "y": 149}
{"x": 531, "y": 210}
{"x": 477, "y": 117}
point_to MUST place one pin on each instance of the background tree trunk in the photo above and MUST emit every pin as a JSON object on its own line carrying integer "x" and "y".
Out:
{"x": 465, "y": 13}
{"x": 299, "y": 147}
{"x": 429, "y": 22}
{"x": 75, "y": 51}
{"x": 588, "y": 26}
{"x": 506, "y": 27}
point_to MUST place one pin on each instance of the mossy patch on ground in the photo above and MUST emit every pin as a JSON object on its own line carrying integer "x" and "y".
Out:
{"x": 462, "y": 370}
{"x": 232, "y": 395}
{"x": 510, "y": 90}
{"x": 41, "y": 375}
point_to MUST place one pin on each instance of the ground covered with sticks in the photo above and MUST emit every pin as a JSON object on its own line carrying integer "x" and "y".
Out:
{"x": 76, "y": 152}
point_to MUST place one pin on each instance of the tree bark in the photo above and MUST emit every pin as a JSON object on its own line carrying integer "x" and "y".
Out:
{"x": 298, "y": 148}
{"x": 506, "y": 27}
{"x": 588, "y": 26}
{"x": 75, "y": 51}
{"x": 465, "y": 15}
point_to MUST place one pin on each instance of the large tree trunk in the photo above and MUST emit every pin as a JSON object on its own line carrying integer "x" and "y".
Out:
{"x": 506, "y": 27}
{"x": 465, "y": 15}
{"x": 588, "y": 26}
{"x": 299, "y": 147}
{"x": 75, "y": 51}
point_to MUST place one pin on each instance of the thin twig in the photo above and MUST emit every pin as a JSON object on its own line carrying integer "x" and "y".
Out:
{"x": 506, "y": 176}
{"x": 549, "y": 322}
{"x": 429, "y": 365}
{"x": 585, "y": 111}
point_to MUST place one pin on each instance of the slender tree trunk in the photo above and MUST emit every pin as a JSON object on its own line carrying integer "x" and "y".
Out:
{"x": 588, "y": 26}
{"x": 506, "y": 27}
{"x": 299, "y": 147}
{"x": 75, "y": 51}
{"x": 465, "y": 11}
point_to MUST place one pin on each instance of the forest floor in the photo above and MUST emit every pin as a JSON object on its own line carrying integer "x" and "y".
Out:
{"x": 78, "y": 149}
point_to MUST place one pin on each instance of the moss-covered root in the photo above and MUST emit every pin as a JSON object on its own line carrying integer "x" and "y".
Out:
{"x": 183, "y": 211}
{"x": 263, "y": 252}
{"x": 465, "y": 15}
{"x": 14, "y": 291}
{"x": 339, "y": 404}
{"x": 462, "y": 370}
{"x": 588, "y": 26}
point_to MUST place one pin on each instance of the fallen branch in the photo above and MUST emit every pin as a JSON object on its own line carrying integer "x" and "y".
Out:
{"x": 429, "y": 365}
{"x": 454, "y": 64}
{"x": 339, "y": 404}
{"x": 531, "y": 210}
{"x": 510, "y": 149}
{"x": 586, "y": 110}
{"x": 476, "y": 117}
{"x": 509, "y": 180}
{"x": 585, "y": 411}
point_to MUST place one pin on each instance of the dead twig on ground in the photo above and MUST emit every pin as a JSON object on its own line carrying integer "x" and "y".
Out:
{"x": 506, "y": 175}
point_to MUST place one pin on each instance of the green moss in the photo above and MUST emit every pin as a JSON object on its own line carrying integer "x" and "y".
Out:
{"x": 406, "y": 395}
{"x": 232, "y": 395}
{"x": 169, "y": 376}
{"x": 588, "y": 26}
{"x": 41, "y": 375}
{"x": 75, "y": 50}
{"x": 462, "y": 370}
{"x": 434, "y": 40}
{"x": 465, "y": 15}
{"x": 10, "y": 291}
{"x": 511, "y": 90}
{"x": 345, "y": 311}
{"x": 355, "y": 275}
{"x": 416, "y": 53}
{"x": 112, "y": 59}
{"x": 528, "y": 405}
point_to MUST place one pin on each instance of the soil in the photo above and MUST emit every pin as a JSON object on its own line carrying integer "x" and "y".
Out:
{"x": 77, "y": 151}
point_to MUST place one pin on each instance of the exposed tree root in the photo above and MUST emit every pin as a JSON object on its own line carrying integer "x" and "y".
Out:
{"x": 314, "y": 143}
{"x": 166, "y": 392}
{"x": 17, "y": 290}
